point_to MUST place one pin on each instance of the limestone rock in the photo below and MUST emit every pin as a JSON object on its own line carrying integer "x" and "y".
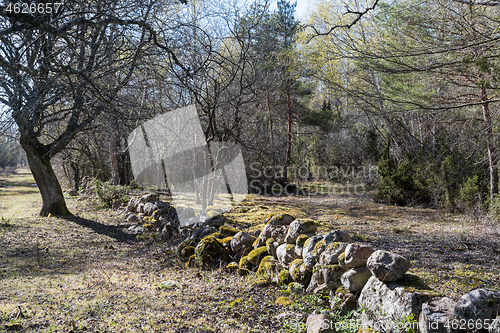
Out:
{"x": 270, "y": 231}
{"x": 310, "y": 245}
{"x": 299, "y": 244}
{"x": 387, "y": 303}
{"x": 286, "y": 254}
{"x": 298, "y": 228}
{"x": 437, "y": 315}
{"x": 149, "y": 208}
{"x": 299, "y": 272}
{"x": 355, "y": 279}
{"x": 320, "y": 323}
{"x": 132, "y": 205}
{"x": 151, "y": 197}
{"x": 343, "y": 301}
{"x": 356, "y": 255}
{"x": 317, "y": 279}
{"x": 332, "y": 275}
{"x": 132, "y": 218}
{"x": 332, "y": 252}
{"x": 281, "y": 219}
{"x": 272, "y": 246}
{"x": 478, "y": 304}
{"x": 337, "y": 236}
{"x": 387, "y": 266}
{"x": 242, "y": 242}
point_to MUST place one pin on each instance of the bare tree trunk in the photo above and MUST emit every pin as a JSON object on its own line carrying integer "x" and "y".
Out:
{"x": 115, "y": 172}
{"x": 48, "y": 184}
{"x": 271, "y": 135}
{"x": 492, "y": 153}
{"x": 288, "y": 133}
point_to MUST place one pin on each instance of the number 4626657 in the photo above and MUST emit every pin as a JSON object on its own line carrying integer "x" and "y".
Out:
{"x": 33, "y": 8}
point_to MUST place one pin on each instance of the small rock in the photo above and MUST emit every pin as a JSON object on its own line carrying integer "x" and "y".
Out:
{"x": 320, "y": 323}
{"x": 116, "y": 204}
{"x": 356, "y": 255}
{"x": 355, "y": 279}
{"x": 132, "y": 228}
{"x": 298, "y": 317}
{"x": 132, "y": 218}
{"x": 332, "y": 276}
{"x": 149, "y": 208}
{"x": 387, "y": 266}
{"x": 169, "y": 284}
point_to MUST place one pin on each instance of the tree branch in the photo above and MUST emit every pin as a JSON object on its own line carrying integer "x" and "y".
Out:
{"x": 359, "y": 15}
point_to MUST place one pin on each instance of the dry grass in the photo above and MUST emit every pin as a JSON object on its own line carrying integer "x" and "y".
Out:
{"x": 88, "y": 274}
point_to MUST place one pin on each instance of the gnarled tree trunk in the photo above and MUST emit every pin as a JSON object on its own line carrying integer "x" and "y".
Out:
{"x": 52, "y": 196}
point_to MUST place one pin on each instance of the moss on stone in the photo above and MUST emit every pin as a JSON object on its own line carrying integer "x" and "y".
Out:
{"x": 217, "y": 235}
{"x": 278, "y": 219}
{"x": 232, "y": 266}
{"x": 299, "y": 275}
{"x": 332, "y": 268}
{"x": 266, "y": 267}
{"x": 243, "y": 271}
{"x": 284, "y": 277}
{"x": 187, "y": 252}
{"x": 226, "y": 241}
{"x": 290, "y": 247}
{"x": 306, "y": 224}
{"x": 185, "y": 243}
{"x": 301, "y": 240}
{"x": 295, "y": 288}
{"x": 226, "y": 230}
{"x": 270, "y": 241}
{"x": 208, "y": 247}
{"x": 341, "y": 290}
{"x": 318, "y": 246}
{"x": 259, "y": 282}
{"x": 283, "y": 300}
{"x": 256, "y": 255}
{"x": 190, "y": 262}
{"x": 244, "y": 262}
{"x": 414, "y": 284}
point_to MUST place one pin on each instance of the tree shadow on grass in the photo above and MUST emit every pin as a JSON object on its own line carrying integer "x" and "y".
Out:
{"x": 114, "y": 232}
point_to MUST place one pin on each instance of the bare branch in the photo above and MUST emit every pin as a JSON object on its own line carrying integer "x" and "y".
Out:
{"x": 359, "y": 15}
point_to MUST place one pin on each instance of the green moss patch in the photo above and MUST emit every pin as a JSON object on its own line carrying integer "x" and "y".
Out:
{"x": 414, "y": 284}
{"x": 226, "y": 231}
{"x": 284, "y": 277}
{"x": 284, "y": 301}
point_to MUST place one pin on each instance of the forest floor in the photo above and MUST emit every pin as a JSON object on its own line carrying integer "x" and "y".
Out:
{"x": 86, "y": 274}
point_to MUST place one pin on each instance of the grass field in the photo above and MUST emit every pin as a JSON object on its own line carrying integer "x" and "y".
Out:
{"x": 86, "y": 274}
